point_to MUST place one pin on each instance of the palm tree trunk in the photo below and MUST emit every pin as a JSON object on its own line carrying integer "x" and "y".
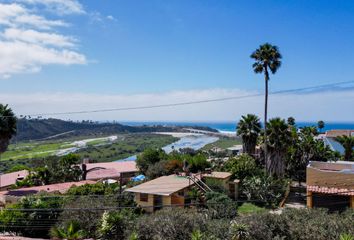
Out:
{"x": 267, "y": 161}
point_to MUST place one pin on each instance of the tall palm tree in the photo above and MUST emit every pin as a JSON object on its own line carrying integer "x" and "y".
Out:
{"x": 7, "y": 126}
{"x": 348, "y": 144}
{"x": 267, "y": 58}
{"x": 248, "y": 128}
{"x": 278, "y": 142}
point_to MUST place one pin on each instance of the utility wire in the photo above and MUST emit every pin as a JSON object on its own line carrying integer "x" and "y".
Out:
{"x": 190, "y": 102}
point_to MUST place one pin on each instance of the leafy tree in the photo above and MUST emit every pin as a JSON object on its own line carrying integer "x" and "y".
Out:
{"x": 320, "y": 125}
{"x": 305, "y": 148}
{"x": 278, "y": 142}
{"x": 37, "y": 177}
{"x": 64, "y": 169}
{"x": 267, "y": 58}
{"x": 348, "y": 144}
{"x": 242, "y": 166}
{"x": 197, "y": 163}
{"x": 94, "y": 189}
{"x": 39, "y": 210}
{"x": 149, "y": 157}
{"x": 7, "y": 126}
{"x": 248, "y": 128}
{"x": 71, "y": 231}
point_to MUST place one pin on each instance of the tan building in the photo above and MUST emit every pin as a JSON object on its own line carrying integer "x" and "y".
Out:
{"x": 173, "y": 190}
{"x": 330, "y": 185}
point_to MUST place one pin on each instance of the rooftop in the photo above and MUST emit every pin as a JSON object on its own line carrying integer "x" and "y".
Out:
{"x": 165, "y": 185}
{"x": 221, "y": 175}
{"x": 337, "y": 133}
{"x": 58, "y": 187}
{"x": 124, "y": 166}
{"x": 9, "y": 179}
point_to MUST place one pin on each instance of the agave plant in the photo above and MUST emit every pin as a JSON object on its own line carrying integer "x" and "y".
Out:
{"x": 346, "y": 236}
{"x": 71, "y": 231}
{"x": 197, "y": 235}
{"x": 238, "y": 231}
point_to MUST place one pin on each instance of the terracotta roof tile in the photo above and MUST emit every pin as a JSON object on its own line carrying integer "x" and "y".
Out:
{"x": 327, "y": 190}
{"x": 58, "y": 187}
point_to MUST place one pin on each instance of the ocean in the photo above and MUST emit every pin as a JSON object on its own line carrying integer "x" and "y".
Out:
{"x": 231, "y": 126}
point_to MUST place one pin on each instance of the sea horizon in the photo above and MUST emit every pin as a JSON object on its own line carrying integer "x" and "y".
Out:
{"x": 229, "y": 126}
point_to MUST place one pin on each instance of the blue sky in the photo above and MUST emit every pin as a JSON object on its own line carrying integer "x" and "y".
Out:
{"x": 159, "y": 50}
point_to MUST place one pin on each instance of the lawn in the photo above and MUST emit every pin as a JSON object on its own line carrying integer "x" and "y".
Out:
{"x": 223, "y": 143}
{"x": 249, "y": 208}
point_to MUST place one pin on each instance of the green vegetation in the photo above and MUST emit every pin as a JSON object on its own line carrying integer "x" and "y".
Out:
{"x": 30, "y": 150}
{"x": 8, "y": 127}
{"x": 249, "y": 208}
{"x": 223, "y": 143}
{"x": 248, "y": 128}
{"x": 131, "y": 144}
{"x": 348, "y": 144}
{"x": 267, "y": 58}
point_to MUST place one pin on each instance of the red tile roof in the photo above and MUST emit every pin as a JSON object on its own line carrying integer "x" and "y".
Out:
{"x": 102, "y": 174}
{"x": 9, "y": 179}
{"x": 327, "y": 190}
{"x": 58, "y": 187}
{"x": 127, "y": 166}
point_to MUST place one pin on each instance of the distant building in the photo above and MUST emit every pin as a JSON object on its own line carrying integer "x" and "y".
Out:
{"x": 329, "y": 139}
{"x": 9, "y": 179}
{"x": 235, "y": 150}
{"x": 173, "y": 190}
{"x": 110, "y": 170}
{"x": 330, "y": 185}
{"x": 11, "y": 196}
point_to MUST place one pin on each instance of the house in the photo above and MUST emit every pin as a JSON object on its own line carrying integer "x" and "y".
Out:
{"x": 330, "y": 185}
{"x": 329, "y": 139}
{"x": 235, "y": 150}
{"x": 11, "y": 196}
{"x": 173, "y": 190}
{"x": 9, "y": 179}
{"x": 123, "y": 170}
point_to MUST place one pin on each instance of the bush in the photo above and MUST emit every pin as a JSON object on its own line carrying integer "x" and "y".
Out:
{"x": 94, "y": 189}
{"x": 170, "y": 224}
{"x": 220, "y": 205}
{"x": 116, "y": 224}
{"x": 299, "y": 224}
{"x": 264, "y": 190}
{"x": 242, "y": 166}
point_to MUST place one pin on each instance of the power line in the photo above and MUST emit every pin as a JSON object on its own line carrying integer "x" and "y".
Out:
{"x": 190, "y": 102}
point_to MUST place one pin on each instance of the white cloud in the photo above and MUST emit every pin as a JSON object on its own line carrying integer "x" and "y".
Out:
{"x": 29, "y": 40}
{"x": 110, "y": 17}
{"x": 304, "y": 107}
{"x": 36, "y": 37}
{"x": 61, "y": 7}
{"x": 14, "y": 15}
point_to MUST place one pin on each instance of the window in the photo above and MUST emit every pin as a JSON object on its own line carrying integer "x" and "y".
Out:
{"x": 144, "y": 197}
{"x": 180, "y": 193}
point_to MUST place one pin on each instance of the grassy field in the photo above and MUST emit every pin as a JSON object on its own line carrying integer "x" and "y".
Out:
{"x": 223, "y": 143}
{"x": 249, "y": 208}
{"x": 129, "y": 145}
{"x": 99, "y": 149}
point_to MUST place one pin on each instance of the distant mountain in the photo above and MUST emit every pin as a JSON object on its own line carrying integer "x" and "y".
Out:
{"x": 42, "y": 129}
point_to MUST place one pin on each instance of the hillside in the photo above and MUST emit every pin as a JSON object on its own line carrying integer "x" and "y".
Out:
{"x": 42, "y": 129}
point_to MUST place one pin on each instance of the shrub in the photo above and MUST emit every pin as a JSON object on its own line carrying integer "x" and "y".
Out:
{"x": 220, "y": 205}
{"x": 170, "y": 224}
{"x": 242, "y": 166}
{"x": 264, "y": 189}
{"x": 116, "y": 224}
{"x": 94, "y": 189}
{"x": 70, "y": 230}
{"x": 299, "y": 224}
